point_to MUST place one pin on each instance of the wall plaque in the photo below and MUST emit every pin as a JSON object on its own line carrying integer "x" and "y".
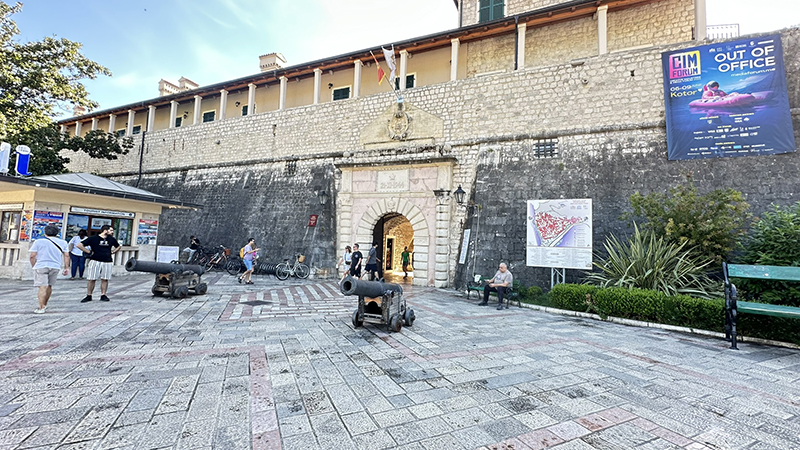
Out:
{"x": 393, "y": 180}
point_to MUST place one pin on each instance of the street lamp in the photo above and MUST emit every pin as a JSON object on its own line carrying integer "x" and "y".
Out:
{"x": 322, "y": 196}
{"x": 460, "y": 193}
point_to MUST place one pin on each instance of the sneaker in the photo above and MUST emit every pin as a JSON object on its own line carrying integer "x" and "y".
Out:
{"x": 40, "y": 310}
{"x": 104, "y": 298}
{"x": 240, "y": 280}
{"x": 72, "y": 278}
{"x": 88, "y": 298}
{"x": 482, "y": 304}
{"x": 248, "y": 282}
{"x": 499, "y": 307}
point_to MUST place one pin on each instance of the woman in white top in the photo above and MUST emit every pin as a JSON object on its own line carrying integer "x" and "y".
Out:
{"x": 76, "y": 254}
{"x": 345, "y": 261}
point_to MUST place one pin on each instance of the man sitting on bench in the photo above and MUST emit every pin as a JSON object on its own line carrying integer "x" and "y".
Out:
{"x": 501, "y": 281}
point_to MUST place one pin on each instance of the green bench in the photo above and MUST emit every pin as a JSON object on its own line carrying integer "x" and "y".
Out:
{"x": 479, "y": 283}
{"x": 733, "y": 307}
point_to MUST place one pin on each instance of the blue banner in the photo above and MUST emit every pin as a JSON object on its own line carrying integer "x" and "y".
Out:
{"x": 727, "y": 99}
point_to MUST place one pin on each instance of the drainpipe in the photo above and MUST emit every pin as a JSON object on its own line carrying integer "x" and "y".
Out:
{"x": 460, "y": 13}
{"x": 141, "y": 157}
{"x": 516, "y": 41}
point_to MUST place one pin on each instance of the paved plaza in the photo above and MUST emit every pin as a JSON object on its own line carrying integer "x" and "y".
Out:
{"x": 278, "y": 365}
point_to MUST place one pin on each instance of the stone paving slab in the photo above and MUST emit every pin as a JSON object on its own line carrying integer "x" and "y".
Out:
{"x": 278, "y": 365}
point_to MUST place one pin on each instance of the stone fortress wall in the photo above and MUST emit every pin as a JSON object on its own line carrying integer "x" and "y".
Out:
{"x": 257, "y": 175}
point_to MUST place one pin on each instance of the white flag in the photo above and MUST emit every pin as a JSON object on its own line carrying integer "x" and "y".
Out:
{"x": 389, "y": 55}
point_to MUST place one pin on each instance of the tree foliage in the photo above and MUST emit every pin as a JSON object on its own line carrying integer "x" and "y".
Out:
{"x": 37, "y": 77}
{"x": 712, "y": 224}
{"x": 47, "y": 143}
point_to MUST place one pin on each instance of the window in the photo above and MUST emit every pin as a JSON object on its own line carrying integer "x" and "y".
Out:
{"x": 120, "y": 133}
{"x": 209, "y": 116}
{"x": 9, "y": 226}
{"x": 411, "y": 81}
{"x": 137, "y": 129}
{"x": 545, "y": 148}
{"x": 490, "y": 10}
{"x": 244, "y": 110}
{"x": 341, "y": 93}
{"x": 291, "y": 168}
{"x": 178, "y": 121}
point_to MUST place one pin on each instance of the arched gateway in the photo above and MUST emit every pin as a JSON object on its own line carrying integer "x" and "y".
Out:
{"x": 366, "y": 195}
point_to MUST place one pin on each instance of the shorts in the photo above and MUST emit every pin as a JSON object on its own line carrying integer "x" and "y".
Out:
{"x": 45, "y": 276}
{"x": 355, "y": 272}
{"x": 248, "y": 263}
{"x": 371, "y": 268}
{"x": 98, "y": 270}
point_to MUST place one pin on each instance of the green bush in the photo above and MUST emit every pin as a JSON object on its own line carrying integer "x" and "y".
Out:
{"x": 679, "y": 310}
{"x": 774, "y": 240}
{"x": 710, "y": 224}
{"x": 650, "y": 262}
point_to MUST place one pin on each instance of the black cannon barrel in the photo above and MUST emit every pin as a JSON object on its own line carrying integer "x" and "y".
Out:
{"x": 354, "y": 286}
{"x": 157, "y": 267}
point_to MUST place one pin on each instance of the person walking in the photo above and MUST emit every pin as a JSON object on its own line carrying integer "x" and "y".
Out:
{"x": 78, "y": 260}
{"x": 101, "y": 248}
{"x": 345, "y": 261}
{"x": 250, "y": 253}
{"x": 372, "y": 262}
{"x": 47, "y": 255}
{"x": 355, "y": 262}
{"x": 405, "y": 257}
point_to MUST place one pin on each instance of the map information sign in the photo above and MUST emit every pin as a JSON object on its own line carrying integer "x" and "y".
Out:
{"x": 560, "y": 233}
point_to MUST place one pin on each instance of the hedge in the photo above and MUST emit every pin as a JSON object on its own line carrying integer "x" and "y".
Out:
{"x": 679, "y": 310}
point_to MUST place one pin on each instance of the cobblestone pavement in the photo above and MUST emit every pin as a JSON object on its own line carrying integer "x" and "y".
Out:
{"x": 279, "y": 365}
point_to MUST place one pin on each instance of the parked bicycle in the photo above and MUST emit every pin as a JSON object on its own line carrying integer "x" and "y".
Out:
{"x": 235, "y": 265}
{"x": 219, "y": 260}
{"x": 285, "y": 270}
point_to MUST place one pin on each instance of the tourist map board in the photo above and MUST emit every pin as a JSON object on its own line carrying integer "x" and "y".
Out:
{"x": 560, "y": 233}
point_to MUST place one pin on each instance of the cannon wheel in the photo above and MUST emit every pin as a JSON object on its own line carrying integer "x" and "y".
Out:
{"x": 201, "y": 289}
{"x": 409, "y": 317}
{"x": 357, "y": 323}
{"x": 396, "y": 324}
{"x": 156, "y": 292}
{"x": 180, "y": 292}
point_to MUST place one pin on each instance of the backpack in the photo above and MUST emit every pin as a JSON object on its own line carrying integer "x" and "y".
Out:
{"x": 241, "y": 253}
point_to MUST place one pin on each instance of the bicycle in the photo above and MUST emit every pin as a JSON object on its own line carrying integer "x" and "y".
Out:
{"x": 219, "y": 260}
{"x": 235, "y": 265}
{"x": 284, "y": 270}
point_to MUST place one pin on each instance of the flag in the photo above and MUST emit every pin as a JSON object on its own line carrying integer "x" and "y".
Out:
{"x": 381, "y": 73}
{"x": 389, "y": 56}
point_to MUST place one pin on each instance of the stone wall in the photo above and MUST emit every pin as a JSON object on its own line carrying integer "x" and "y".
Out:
{"x": 656, "y": 23}
{"x": 257, "y": 175}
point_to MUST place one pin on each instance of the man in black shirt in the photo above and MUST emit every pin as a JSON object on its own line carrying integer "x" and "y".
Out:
{"x": 355, "y": 262}
{"x": 101, "y": 248}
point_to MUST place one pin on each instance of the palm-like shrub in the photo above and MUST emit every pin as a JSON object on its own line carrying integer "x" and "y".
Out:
{"x": 648, "y": 261}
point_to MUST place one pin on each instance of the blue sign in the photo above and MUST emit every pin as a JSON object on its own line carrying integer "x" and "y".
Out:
{"x": 727, "y": 99}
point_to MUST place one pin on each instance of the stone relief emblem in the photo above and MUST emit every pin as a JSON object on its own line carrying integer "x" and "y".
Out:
{"x": 400, "y": 124}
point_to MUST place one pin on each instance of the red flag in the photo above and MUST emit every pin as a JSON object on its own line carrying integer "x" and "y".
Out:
{"x": 381, "y": 73}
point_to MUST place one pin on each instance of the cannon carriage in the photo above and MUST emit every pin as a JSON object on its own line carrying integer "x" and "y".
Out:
{"x": 176, "y": 280}
{"x": 378, "y": 302}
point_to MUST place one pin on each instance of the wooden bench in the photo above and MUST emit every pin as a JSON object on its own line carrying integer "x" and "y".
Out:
{"x": 733, "y": 307}
{"x": 479, "y": 284}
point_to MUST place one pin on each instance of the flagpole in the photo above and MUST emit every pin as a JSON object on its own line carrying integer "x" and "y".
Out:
{"x": 389, "y": 83}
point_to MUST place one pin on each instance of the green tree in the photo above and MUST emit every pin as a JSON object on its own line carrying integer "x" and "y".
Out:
{"x": 712, "y": 224}
{"x": 37, "y": 77}
{"x": 48, "y": 144}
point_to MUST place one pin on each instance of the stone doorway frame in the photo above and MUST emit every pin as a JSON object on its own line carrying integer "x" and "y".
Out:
{"x": 418, "y": 224}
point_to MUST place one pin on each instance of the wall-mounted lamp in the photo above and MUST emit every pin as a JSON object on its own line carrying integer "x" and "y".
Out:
{"x": 330, "y": 85}
{"x": 238, "y": 103}
{"x": 459, "y": 193}
{"x": 185, "y": 114}
{"x": 322, "y": 196}
{"x": 217, "y": 142}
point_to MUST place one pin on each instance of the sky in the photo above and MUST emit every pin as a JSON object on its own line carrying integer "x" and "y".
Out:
{"x": 209, "y": 41}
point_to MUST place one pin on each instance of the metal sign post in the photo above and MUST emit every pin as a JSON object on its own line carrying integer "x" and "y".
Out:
{"x": 556, "y": 276}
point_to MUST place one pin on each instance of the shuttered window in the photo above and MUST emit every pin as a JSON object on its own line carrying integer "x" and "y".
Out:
{"x": 490, "y": 10}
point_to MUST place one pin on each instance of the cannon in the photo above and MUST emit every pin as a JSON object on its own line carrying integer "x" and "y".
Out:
{"x": 378, "y": 302}
{"x": 173, "y": 279}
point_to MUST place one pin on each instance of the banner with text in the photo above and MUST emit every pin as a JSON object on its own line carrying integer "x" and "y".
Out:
{"x": 727, "y": 99}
